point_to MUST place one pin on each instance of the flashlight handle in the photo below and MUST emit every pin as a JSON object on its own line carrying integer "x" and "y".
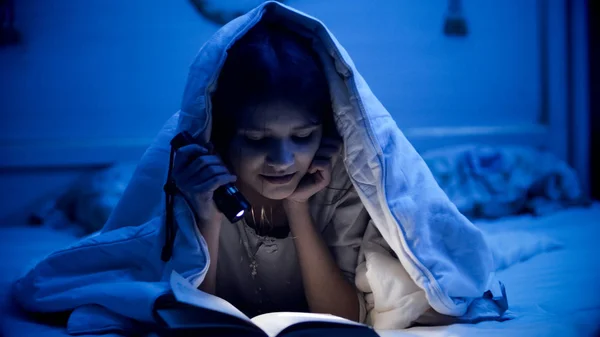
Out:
{"x": 182, "y": 139}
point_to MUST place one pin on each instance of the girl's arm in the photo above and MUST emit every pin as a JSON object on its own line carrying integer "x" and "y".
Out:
{"x": 210, "y": 231}
{"x": 326, "y": 289}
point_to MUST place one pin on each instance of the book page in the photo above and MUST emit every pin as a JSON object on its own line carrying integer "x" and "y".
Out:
{"x": 275, "y": 322}
{"x": 184, "y": 292}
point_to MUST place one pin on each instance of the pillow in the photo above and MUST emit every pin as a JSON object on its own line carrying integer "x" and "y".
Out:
{"x": 490, "y": 182}
{"x": 84, "y": 207}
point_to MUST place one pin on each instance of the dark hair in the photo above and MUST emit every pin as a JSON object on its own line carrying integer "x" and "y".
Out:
{"x": 268, "y": 63}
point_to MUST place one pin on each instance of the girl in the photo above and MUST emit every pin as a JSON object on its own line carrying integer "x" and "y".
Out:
{"x": 273, "y": 129}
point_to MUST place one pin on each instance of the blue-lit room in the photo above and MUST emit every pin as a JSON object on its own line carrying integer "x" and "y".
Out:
{"x": 299, "y": 168}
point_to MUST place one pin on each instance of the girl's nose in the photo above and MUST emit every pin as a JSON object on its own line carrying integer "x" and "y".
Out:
{"x": 280, "y": 157}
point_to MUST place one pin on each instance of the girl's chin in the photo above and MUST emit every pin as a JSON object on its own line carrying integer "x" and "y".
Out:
{"x": 280, "y": 193}
{"x": 277, "y": 195}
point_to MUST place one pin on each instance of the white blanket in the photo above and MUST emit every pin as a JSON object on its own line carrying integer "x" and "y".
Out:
{"x": 438, "y": 258}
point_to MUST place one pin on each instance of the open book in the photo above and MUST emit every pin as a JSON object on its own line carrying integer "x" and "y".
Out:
{"x": 190, "y": 311}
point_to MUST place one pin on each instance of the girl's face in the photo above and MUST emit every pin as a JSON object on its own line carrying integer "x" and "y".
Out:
{"x": 273, "y": 148}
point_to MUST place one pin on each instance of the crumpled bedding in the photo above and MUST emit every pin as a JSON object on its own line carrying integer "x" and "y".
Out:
{"x": 491, "y": 181}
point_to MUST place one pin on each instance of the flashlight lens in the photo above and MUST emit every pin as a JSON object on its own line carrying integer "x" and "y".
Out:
{"x": 230, "y": 202}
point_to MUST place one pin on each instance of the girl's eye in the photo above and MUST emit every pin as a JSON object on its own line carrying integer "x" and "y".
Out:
{"x": 253, "y": 136}
{"x": 303, "y": 135}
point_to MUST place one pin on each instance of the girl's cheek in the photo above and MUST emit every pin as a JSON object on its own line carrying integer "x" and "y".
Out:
{"x": 248, "y": 158}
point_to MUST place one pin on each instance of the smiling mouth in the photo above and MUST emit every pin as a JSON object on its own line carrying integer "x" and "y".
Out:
{"x": 278, "y": 180}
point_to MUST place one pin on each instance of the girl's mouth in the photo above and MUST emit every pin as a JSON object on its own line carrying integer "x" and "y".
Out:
{"x": 278, "y": 180}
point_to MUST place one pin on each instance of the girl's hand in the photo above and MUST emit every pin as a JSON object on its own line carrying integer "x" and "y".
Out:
{"x": 198, "y": 173}
{"x": 318, "y": 175}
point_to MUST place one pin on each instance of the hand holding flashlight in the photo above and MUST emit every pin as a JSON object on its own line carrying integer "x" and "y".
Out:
{"x": 198, "y": 171}
{"x": 198, "y": 174}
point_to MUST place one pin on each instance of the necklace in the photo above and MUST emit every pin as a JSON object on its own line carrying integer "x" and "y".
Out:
{"x": 268, "y": 221}
{"x": 263, "y": 295}
{"x": 265, "y": 223}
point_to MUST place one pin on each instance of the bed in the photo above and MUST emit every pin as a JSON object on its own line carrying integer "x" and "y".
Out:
{"x": 552, "y": 294}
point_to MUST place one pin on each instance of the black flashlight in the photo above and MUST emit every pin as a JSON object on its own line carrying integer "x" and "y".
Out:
{"x": 228, "y": 199}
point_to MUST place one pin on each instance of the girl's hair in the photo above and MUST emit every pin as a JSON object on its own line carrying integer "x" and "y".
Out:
{"x": 268, "y": 63}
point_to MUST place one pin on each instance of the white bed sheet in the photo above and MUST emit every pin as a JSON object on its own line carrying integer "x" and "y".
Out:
{"x": 553, "y": 294}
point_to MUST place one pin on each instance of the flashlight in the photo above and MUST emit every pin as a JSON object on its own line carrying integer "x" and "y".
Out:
{"x": 228, "y": 199}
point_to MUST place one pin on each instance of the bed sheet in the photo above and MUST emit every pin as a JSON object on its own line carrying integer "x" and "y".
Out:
{"x": 552, "y": 294}
{"x": 20, "y": 248}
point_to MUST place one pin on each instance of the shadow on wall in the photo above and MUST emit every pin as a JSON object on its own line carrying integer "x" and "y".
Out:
{"x": 9, "y": 35}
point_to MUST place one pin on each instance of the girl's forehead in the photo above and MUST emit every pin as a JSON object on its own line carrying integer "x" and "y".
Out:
{"x": 276, "y": 114}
